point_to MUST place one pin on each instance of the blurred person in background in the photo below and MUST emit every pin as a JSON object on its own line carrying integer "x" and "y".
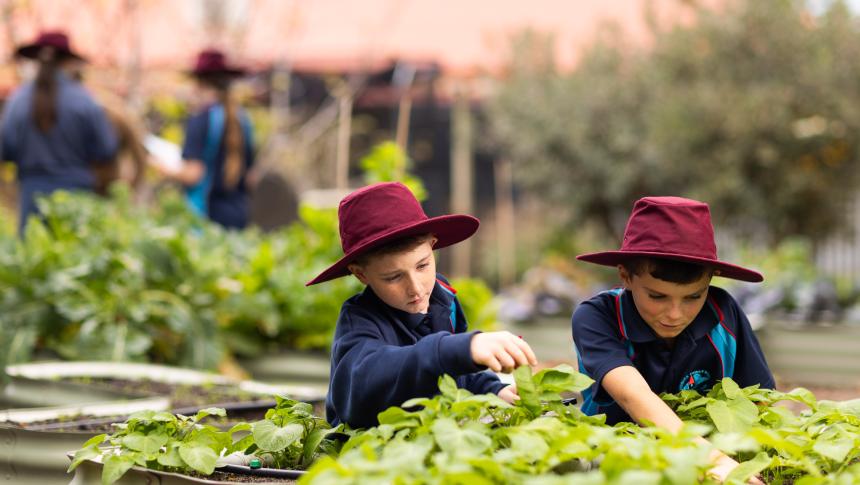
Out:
{"x": 218, "y": 147}
{"x": 129, "y": 162}
{"x": 51, "y": 127}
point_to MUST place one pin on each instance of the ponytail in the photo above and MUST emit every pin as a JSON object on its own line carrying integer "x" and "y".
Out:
{"x": 44, "y": 97}
{"x": 233, "y": 142}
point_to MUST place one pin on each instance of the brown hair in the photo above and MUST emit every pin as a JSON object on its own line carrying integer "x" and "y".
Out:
{"x": 396, "y": 246}
{"x": 233, "y": 137}
{"x": 45, "y": 93}
{"x": 671, "y": 270}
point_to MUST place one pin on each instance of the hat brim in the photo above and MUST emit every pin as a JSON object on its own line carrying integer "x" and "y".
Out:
{"x": 210, "y": 73}
{"x": 721, "y": 268}
{"x": 31, "y": 51}
{"x": 448, "y": 230}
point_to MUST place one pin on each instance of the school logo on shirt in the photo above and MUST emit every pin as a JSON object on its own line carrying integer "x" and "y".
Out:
{"x": 697, "y": 380}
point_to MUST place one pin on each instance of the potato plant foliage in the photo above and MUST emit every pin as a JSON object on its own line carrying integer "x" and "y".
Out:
{"x": 456, "y": 437}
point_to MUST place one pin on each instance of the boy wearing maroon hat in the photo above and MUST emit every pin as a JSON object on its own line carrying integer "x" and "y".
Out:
{"x": 395, "y": 339}
{"x": 666, "y": 329}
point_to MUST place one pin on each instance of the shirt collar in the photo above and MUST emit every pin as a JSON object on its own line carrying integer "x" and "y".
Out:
{"x": 440, "y": 302}
{"x": 639, "y": 331}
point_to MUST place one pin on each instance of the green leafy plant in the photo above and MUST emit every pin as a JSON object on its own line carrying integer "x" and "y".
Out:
{"x": 388, "y": 162}
{"x": 104, "y": 279}
{"x": 290, "y": 435}
{"x": 160, "y": 441}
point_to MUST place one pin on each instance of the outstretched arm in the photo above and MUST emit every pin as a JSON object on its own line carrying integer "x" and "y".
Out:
{"x": 630, "y": 390}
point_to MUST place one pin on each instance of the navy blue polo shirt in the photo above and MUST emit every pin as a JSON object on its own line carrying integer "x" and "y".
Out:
{"x": 609, "y": 332}
{"x": 382, "y": 357}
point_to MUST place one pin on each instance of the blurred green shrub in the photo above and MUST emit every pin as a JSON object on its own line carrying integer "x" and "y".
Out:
{"x": 110, "y": 281}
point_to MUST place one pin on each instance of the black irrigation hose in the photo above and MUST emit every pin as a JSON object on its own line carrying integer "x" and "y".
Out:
{"x": 261, "y": 472}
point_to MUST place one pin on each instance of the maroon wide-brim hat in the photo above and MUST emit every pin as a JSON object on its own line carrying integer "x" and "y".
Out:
{"x": 671, "y": 228}
{"x": 55, "y": 39}
{"x": 383, "y": 212}
{"x": 213, "y": 62}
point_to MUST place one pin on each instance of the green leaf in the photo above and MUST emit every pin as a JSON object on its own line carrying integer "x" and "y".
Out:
{"x": 731, "y": 388}
{"x": 732, "y": 443}
{"x": 747, "y": 469}
{"x": 835, "y": 449}
{"x": 200, "y": 458}
{"x": 398, "y": 417}
{"x": 149, "y": 444}
{"x": 447, "y": 386}
{"x": 243, "y": 426}
{"x": 171, "y": 458}
{"x": 312, "y": 442}
{"x": 210, "y": 412}
{"x": 460, "y": 441}
{"x": 733, "y": 416}
{"x": 115, "y": 467}
{"x": 529, "y": 398}
{"x": 85, "y": 453}
{"x": 271, "y": 437}
{"x": 562, "y": 378}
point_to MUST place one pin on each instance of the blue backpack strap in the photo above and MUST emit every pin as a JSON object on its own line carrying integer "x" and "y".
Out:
{"x": 198, "y": 195}
{"x": 619, "y": 315}
{"x": 451, "y": 291}
{"x": 723, "y": 340}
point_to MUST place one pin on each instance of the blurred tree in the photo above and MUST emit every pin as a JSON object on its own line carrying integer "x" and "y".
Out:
{"x": 754, "y": 108}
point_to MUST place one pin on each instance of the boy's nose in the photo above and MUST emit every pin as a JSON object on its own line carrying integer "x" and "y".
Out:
{"x": 414, "y": 286}
{"x": 675, "y": 312}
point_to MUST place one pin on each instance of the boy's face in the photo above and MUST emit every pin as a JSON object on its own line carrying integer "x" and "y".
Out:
{"x": 668, "y": 308}
{"x": 403, "y": 280}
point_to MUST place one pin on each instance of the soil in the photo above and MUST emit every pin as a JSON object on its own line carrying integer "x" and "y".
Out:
{"x": 181, "y": 395}
{"x": 187, "y": 399}
{"x": 237, "y": 478}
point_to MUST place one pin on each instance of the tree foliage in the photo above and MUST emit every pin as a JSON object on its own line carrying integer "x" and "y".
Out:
{"x": 754, "y": 108}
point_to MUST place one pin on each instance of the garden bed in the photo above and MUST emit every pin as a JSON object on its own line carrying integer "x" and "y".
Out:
{"x": 90, "y": 473}
{"x": 53, "y": 407}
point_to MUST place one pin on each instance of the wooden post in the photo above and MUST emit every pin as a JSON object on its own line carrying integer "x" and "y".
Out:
{"x": 505, "y": 219}
{"x": 404, "y": 113}
{"x": 343, "y": 134}
{"x": 462, "y": 186}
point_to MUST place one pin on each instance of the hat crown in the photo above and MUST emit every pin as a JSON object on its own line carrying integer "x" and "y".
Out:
{"x": 670, "y": 225}
{"x": 375, "y": 211}
{"x": 213, "y": 61}
{"x": 53, "y": 39}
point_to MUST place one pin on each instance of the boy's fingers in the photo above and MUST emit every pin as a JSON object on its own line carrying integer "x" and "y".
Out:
{"x": 493, "y": 364}
{"x": 505, "y": 359}
{"x": 517, "y": 353}
{"x": 527, "y": 350}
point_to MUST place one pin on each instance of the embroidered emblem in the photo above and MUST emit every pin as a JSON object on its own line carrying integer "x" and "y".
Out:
{"x": 697, "y": 380}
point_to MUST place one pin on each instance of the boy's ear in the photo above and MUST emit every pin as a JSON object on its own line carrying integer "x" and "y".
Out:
{"x": 358, "y": 272}
{"x": 624, "y": 275}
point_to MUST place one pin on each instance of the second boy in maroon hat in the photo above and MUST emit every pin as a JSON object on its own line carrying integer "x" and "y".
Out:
{"x": 406, "y": 329}
{"x": 666, "y": 329}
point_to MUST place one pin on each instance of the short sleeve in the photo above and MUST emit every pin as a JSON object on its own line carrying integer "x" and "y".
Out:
{"x": 750, "y": 365}
{"x": 598, "y": 342}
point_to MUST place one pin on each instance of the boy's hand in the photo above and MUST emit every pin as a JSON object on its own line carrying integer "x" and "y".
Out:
{"x": 509, "y": 393}
{"x": 501, "y": 351}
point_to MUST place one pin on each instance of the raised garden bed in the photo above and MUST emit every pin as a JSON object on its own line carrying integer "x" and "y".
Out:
{"x": 53, "y": 407}
{"x": 90, "y": 473}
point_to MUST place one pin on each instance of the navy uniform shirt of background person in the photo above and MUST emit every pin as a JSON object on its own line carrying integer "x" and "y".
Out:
{"x": 382, "y": 356}
{"x": 227, "y": 206}
{"x": 59, "y": 158}
{"x": 609, "y": 333}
